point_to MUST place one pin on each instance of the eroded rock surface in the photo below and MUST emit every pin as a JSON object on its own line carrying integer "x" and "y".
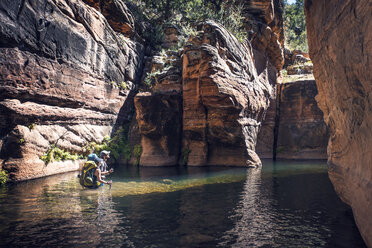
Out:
{"x": 225, "y": 97}
{"x": 62, "y": 64}
{"x": 159, "y": 120}
{"x": 340, "y": 43}
{"x": 302, "y": 132}
{"x": 294, "y": 127}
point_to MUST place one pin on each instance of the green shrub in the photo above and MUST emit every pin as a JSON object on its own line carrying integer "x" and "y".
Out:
{"x": 150, "y": 79}
{"x": 295, "y": 27}
{"x": 118, "y": 145}
{"x": 57, "y": 154}
{"x": 31, "y": 126}
{"x": 3, "y": 177}
{"x": 187, "y": 14}
{"x": 124, "y": 86}
{"x": 185, "y": 156}
{"x": 137, "y": 151}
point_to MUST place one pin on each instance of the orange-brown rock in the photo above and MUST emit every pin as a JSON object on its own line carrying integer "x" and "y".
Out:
{"x": 264, "y": 24}
{"x": 59, "y": 81}
{"x": 340, "y": 44}
{"x": 159, "y": 120}
{"x": 117, "y": 15}
{"x": 302, "y": 132}
{"x": 294, "y": 127}
{"x": 226, "y": 91}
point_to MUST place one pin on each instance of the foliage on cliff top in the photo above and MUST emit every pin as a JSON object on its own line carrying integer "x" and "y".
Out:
{"x": 295, "y": 26}
{"x": 187, "y": 14}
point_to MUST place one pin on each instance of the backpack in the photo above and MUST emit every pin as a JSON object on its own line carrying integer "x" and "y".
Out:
{"x": 87, "y": 175}
{"x": 92, "y": 157}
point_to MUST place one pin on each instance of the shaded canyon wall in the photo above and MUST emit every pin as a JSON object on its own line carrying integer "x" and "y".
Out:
{"x": 294, "y": 127}
{"x": 340, "y": 43}
{"x": 61, "y": 65}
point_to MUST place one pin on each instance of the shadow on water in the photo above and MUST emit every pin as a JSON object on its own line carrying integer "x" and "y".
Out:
{"x": 286, "y": 204}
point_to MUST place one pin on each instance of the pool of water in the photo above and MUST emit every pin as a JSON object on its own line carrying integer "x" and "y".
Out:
{"x": 286, "y": 204}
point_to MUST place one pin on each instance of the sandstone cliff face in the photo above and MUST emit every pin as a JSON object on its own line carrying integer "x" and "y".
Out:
{"x": 302, "y": 132}
{"x": 226, "y": 88}
{"x": 294, "y": 127}
{"x": 340, "y": 43}
{"x": 225, "y": 98}
{"x": 60, "y": 64}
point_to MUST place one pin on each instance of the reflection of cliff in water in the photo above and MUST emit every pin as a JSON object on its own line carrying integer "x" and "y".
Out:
{"x": 254, "y": 224}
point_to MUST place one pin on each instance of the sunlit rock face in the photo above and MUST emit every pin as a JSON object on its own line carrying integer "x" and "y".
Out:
{"x": 227, "y": 88}
{"x": 61, "y": 63}
{"x": 340, "y": 43}
{"x": 264, "y": 23}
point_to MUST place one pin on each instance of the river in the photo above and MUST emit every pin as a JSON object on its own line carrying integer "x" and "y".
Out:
{"x": 286, "y": 204}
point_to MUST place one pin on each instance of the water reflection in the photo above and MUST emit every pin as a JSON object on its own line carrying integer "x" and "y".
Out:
{"x": 283, "y": 205}
{"x": 254, "y": 226}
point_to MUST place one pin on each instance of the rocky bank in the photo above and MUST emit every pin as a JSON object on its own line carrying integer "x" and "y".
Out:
{"x": 340, "y": 43}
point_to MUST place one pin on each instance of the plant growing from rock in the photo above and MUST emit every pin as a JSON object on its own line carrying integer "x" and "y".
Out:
{"x": 137, "y": 151}
{"x": 3, "y": 177}
{"x": 55, "y": 153}
{"x": 31, "y": 126}
{"x": 185, "y": 156}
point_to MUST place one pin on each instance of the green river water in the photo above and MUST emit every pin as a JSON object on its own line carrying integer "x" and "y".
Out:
{"x": 286, "y": 204}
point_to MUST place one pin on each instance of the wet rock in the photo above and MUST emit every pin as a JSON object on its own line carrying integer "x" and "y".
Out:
{"x": 294, "y": 127}
{"x": 340, "y": 44}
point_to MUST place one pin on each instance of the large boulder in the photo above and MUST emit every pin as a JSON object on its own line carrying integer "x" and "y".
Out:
{"x": 66, "y": 79}
{"x": 340, "y": 44}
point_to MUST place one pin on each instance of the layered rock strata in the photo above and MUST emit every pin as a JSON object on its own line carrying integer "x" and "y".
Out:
{"x": 159, "y": 111}
{"x": 66, "y": 77}
{"x": 302, "y": 132}
{"x": 294, "y": 127}
{"x": 340, "y": 44}
{"x": 264, "y": 24}
{"x": 226, "y": 91}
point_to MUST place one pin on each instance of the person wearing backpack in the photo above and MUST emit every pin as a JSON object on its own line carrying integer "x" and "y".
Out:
{"x": 101, "y": 170}
{"x": 94, "y": 170}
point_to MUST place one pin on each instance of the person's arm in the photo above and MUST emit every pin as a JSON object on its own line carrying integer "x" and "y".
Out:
{"x": 99, "y": 178}
{"x": 107, "y": 172}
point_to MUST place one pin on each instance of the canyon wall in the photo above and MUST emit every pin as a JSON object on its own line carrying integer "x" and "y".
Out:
{"x": 225, "y": 98}
{"x": 294, "y": 127}
{"x": 226, "y": 88}
{"x": 66, "y": 78}
{"x": 340, "y": 43}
